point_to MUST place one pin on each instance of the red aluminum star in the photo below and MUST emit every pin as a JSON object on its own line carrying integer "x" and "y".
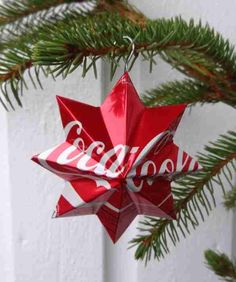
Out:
{"x": 118, "y": 159}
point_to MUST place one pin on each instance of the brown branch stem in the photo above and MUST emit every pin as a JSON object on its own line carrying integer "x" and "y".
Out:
{"x": 16, "y": 71}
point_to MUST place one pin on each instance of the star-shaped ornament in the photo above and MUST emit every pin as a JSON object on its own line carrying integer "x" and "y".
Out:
{"x": 118, "y": 159}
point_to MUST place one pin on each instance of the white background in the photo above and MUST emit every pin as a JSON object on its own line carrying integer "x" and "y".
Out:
{"x": 35, "y": 248}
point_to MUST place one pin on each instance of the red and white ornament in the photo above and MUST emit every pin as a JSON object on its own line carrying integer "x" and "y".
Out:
{"x": 118, "y": 159}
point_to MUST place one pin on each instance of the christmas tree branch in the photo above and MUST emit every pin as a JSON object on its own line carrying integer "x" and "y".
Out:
{"x": 27, "y": 34}
{"x": 18, "y": 55}
{"x": 17, "y": 17}
{"x": 68, "y": 12}
{"x": 24, "y": 39}
{"x": 230, "y": 199}
{"x": 15, "y": 61}
{"x": 174, "y": 39}
{"x": 195, "y": 50}
{"x": 221, "y": 265}
{"x": 25, "y": 27}
{"x": 186, "y": 91}
{"x": 194, "y": 198}
{"x": 12, "y": 11}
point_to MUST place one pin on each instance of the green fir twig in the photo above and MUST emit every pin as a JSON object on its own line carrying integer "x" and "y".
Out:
{"x": 222, "y": 265}
{"x": 196, "y": 50}
{"x": 230, "y": 199}
{"x": 194, "y": 199}
{"x": 15, "y": 10}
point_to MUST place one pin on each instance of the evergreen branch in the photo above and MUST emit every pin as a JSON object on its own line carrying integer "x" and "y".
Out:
{"x": 14, "y": 64}
{"x": 230, "y": 199}
{"x": 27, "y": 35}
{"x": 186, "y": 91}
{"x": 16, "y": 57}
{"x": 13, "y": 11}
{"x": 28, "y": 25}
{"x": 221, "y": 265}
{"x": 194, "y": 198}
{"x": 196, "y": 50}
{"x": 28, "y": 31}
{"x": 123, "y": 8}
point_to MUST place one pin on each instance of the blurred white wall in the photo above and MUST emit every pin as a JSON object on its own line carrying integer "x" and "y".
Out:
{"x": 35, "y": 248}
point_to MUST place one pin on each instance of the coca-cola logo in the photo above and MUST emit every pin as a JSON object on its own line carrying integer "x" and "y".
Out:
{"x": 71, "y": 160}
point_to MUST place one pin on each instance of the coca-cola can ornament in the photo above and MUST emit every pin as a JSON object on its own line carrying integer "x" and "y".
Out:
{"x": 118, "y": 159}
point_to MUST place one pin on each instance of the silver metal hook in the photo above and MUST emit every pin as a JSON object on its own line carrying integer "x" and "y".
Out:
{"x": 130, "y": 54}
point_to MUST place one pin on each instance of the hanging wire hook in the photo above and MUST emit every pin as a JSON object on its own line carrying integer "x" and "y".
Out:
{"x": 130, "y": 54}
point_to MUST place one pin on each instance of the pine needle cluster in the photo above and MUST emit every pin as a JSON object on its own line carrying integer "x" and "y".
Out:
{"x": 221, "y": 265}
{"x": 194, "y": 199}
